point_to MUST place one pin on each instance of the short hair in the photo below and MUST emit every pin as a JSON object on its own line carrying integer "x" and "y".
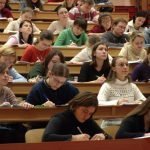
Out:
{"x": 102, "y": 16}
{"x": 140, "y": 14}
{"x": 7, "y": 51}
{"x": 46, "y": 34}
{"x": 85, "y": 99}
{"x": 81, "y": 22}
{"x": 118, "y": 20}
{"x": 93, "y": 39}
{"x": 89, "y": 2}
{"x": 59, "y": 7}
{"x": 136, "y": 34}
{"x": 60, "y": 69}
{"x": 27, "y": 9}
{"x": 3, "y": 66}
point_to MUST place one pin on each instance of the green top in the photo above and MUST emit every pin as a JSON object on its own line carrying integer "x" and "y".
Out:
{"x": 66, "y": 37}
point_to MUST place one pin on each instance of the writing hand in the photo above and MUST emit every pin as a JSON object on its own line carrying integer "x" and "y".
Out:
{"x": 99, "y": 136}
{"x": 80, "y": 137}
{"x": 49, "y": 104}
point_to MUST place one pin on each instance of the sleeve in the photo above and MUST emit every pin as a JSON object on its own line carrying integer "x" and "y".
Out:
{"x": 10, "y": 27}
{"x": 35, "y": 29}
{"x": 84, "y": 38}
{"x": 123, "y": 52}
{"x": 12, "y": 41}
{"x": 104, "y": 94}
{"x": 94, "y": 29}
{"x": 127, "y": 28}
{"x": 27, "y": 55}
{"x": 72, "y": 14}
{"x": 135, "y": 73}
{"x": 53, "y": 129}
{"x": 16, "y": 76}
{"x": 60, "y": 39}
{"x": 52, "y": 27}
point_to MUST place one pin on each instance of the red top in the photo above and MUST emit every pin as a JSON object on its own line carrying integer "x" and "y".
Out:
{"x": 98, "y": 29}
{"x": 5, "y": 12}
{"x": 32, "y": 54}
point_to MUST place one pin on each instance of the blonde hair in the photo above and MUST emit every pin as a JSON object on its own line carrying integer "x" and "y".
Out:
{"x": 136, "y": 34}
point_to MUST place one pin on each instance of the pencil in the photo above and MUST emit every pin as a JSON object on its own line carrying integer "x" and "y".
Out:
{"x": 79, "y": 130}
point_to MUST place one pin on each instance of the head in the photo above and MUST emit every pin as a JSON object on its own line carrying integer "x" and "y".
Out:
{"x": 45, "y": 40}
{"x": 3, "y": 74}
{"x": 84, "y": 105}
{"x": 86, "y": 5}
{"x": 79, "y": 26}
{"x": 147, "y": 59}
{"x": 34, "y": 3}
{"x": 58, "y": 75}
{"x": 27, "y": 14}
{"x": 139, "y": 19}
{"x": 2, "y": 4}
{"x": 69, "y": 3}
{"x": 7, "y": 56}
{"x": 105, "y": 20}
{"x": 119, "y": 26}
{"x": 92, "y": 40}
{"x": 100, "y": 52}
{"x": 119, "y": 69}
{"x": 54, "y": 56}
{"x": 137, "y": 41}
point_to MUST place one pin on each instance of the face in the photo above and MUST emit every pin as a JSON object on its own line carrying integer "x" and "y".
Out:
{"x": 26, "y": 16}
{"x": 2, "y": 4}
{"x": 77, "y": 30}
{"x": 9, "y": 60}
{"x": 63, "y": 13}
{"x": 70, "y": 2}
{"x": 56, "y": 82}
{"x": 138, "y": 43}
{"x": 26, "y": 28}
{"x": 85, "y": 7}
{"x": 4, "y": 78}
{"x": 106, "y": 22}
{"x": 101, "y": 52}
{"x": 44, "y": 44}
{"x": 84, "y": 113}
{"x": 119, "y": 28}
{"x": 34, "y": 1}
{"x": 121, "y": 68}
{"x": 139, "y": 21}
{"x": 54, "y": 60}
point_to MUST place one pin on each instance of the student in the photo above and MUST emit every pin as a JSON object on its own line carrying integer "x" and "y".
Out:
{"x": 26, "y": 14}
{"x": 147, "y": 36}
{"x": 97, "y": 70}
{"x": 137, "y": 24}
{"x": 8, "y": 56}
{"x": 74, "y": 36}
{"x": 136, "y": 123}
{"x": 68, "y": 4}
{"x": 54, "y": 90}
{"x": 118, "y": 89}
{"x": 23, "y": 37}
{"x": 63, "y": 23}
{"x": 38, "y": 51}
{"x": 40, "y": 70}
{"x": 104, "y": 25}
{"x": 76, "y": 123}
{"x": 134, "y": 50}
{"x": 116, "y": 36}
{"x": 36, "y": 5}
{"x": 142, "y": 71}
{"x": 84, "y": 10}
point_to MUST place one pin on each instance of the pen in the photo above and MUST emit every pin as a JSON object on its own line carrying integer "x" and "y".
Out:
{"x": 79, "y": 130}
{"x": 23, "y": 41}
{"x": 45, "y": 97}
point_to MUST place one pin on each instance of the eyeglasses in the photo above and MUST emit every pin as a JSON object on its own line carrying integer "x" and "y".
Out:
{"x": 56, "y": 80}
{"x": 123, "y": 64}
{"x": 63, "y": 12}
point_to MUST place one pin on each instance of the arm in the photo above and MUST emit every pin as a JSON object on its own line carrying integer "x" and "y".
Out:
{"x": 9, "y": 28}
{"x": 123, "y": 52}
{"x": 36, "y": 30}
{"x": 12, "y": 41}
{"x": 60, "y": 39}
{"x": 52, "y": 27}
{"x": 27, "y": 54}
{"x": 136, "y": 73}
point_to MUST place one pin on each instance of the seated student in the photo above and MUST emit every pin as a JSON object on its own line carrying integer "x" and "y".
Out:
{"x": 136, "y": 123}
{"x": 142, "y": 71}
{"x": 8, "y": 55}
{"x": 147, "y": 36}
{"x": 54, "y": 90}
{"x": 38, "y": 51}
{"x": 137, "y": 23}
{"x": 74, "y": 36}
{"x": 40, "y": 69}
{"x": 69, "y": 4}
{"x": 76, "y": 123}
{"x": 98, "y": 69}
{"x": 84, "y": 10}
{"x": 63, "y": 23}
{"x": 116, "y": 36}
{"x": 104, "y": 25}
{"x": 26, "y": 14}
{"x": 134, "y": 50}
{"x": 36, "y": 5}
{"x": 23, "y": 37}
{"x": 118, "y": 89}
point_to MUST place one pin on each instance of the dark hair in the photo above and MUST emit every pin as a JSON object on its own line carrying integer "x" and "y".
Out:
{"x": 49, "y": 57}
{"x": 3, "y": 66}
{"x": 46, "y": 34}
{"x": 81, "y": 22}
{"x": 102, "y": 16}
{"x": 59, "y": 7}
{"x": 30, "y": 38}
{"x": 32, "y": 5}
{"x": 93, "y": 39}
{"x": 27, "y": 9}
{"x": 106, "y": 64}
{"x": 112, "y": 74}
{"x": 85, "y": 99}
{"x": 90, "y": 2}
{"x": 65, "y": 4}
{"x": 118, "y": 20}
{"x": 60, "y": 69}
{"x": 146, "y": 60}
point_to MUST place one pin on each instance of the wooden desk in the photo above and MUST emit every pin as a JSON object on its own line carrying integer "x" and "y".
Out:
{"x": 44, "y": 114}
{"x": 24, "y": 88}
{"x": 130, "y": 144}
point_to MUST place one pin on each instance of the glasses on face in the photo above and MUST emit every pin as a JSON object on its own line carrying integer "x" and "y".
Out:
{"x": 123, "y": 65}
{"x": 56, "y": 80}
{"x": 63, "y": 12}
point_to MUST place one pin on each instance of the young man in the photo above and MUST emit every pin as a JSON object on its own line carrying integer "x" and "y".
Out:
{"x": 74, "y": 36}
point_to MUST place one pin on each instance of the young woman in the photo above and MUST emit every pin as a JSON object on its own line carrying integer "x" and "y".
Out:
{"x": 41, "y": 69}
{"x": 136, "y": 123}
{"x": 142, "y": 71}
{"x": 26, "y": 14}
{"x": 36, "y": 5}
{"x": 24, "y": 37}
{"x": 118, "y": 89}
{"x": 64, "y": 22}
{"x": 8, "y": 56}
{"x": 68, "y": 4}
{"x": 76, "y": 123}
{"x": 97, "y": 70}
{"x": 134, "y": 50}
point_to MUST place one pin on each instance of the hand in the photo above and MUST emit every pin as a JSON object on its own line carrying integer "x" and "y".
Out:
{"x": 36, "y": 9}
{"x": 26, "y": 105}
{"x": 101, "y": 79}
{"x": 122, "y": 101}
{"x": 10, "y": 79}
{"x": 23, "y": 45}
{"x": 99, "y": 136}
{"x": 138, "y": 102}
{"x": 10, "y": 19}
{"x": 73, "y": 44}
{"x": 49, "y": 104}
{"x": 80, "y": 137}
